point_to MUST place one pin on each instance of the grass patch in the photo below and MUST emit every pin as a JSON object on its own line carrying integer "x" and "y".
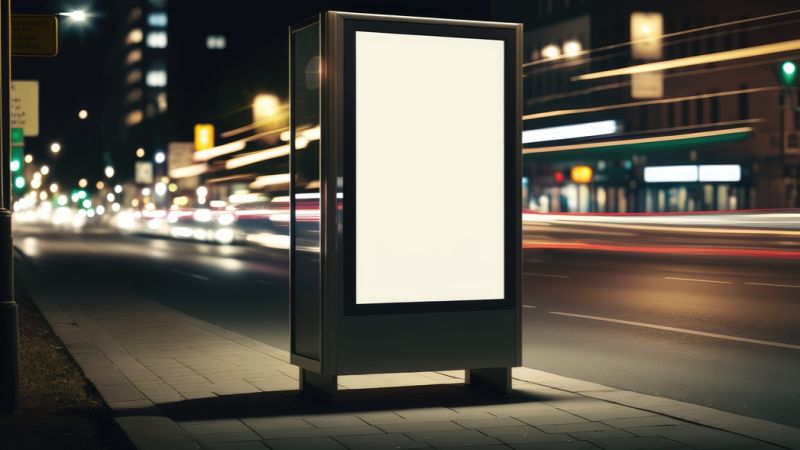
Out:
{"x": 58, "y": 408}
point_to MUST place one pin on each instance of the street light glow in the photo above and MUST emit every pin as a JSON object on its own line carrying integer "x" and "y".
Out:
{"x": 76, "y": 16}
{"x": 83, "y": 114}
{"x": 83, "y": 182}
{"x": 55, "y": 147}
{"x": 28, "y": 158}
{"x": 140, "y": 152}
{"x": 264, "y": 107}
{"x": 160, "y": 157}
{"x": 109, "y": 171}
{"x": 54, "y": 188}
{"x": 45, "y": 170}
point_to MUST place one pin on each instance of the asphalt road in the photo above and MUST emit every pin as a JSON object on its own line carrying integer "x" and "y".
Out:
{"x": 718, "y": 331}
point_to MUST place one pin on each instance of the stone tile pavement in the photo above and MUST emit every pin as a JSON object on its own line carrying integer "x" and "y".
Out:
{"x": 176, "y": 382}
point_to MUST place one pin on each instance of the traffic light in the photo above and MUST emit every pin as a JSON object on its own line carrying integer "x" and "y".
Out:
{"x": 787, "y": 73}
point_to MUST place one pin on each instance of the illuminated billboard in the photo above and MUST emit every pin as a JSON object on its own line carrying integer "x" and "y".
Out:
{"x": 429, "y": 188}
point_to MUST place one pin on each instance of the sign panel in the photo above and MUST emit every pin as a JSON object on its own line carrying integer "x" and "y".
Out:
{"x": 420, "y": 172}
{"x": 25, "y": 106}
{"x": 203, "y": 136}
{"x": 647, "y": 29}
{"x": 144, "y": 172}
{"x": 34, "y": 35}
{"x": 179, "y": 154}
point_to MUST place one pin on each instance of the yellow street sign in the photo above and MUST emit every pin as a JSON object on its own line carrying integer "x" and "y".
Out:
{"x": 203, "y": 136}
{"x": 34, "y": 35}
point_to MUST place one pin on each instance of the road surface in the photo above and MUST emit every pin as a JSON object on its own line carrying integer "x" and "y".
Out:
{"x": 721, "y": 331}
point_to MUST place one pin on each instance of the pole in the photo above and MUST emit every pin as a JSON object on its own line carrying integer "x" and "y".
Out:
{"x": 9, "y": 326}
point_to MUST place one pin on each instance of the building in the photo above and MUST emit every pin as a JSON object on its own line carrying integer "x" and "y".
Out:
{"x": 694, "y": 137}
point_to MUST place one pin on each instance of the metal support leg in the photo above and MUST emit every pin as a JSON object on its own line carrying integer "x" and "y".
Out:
{"x": 495, "y": 379}
{"x": 319, "y": 387}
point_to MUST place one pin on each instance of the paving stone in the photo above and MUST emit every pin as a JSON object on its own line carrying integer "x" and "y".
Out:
{"x": 553, "y": 417}
{"x": 409, "y": 426}
{"x": 444, "y": 439}
{"x": 252, "y": 445}
{"x": 334, "y": 420}
{"x": 634, "y": 443}
{"x": 574, "y": 427}
{"x": 439, "y": 413}
{"x": 318, "y": 432}
{"x": 380, "y": 417}
{"x": 264, "y": 425}
{"x": 599, "y": 434}
{"x": 635, "y": 422}
{"x": 380, "y": 442}
{"x": 311, "y": 443}
{"x": 216, "y": 438}
{"x": 574, "y": 445}
{"x": 524, "y": 434}
{"x": 489, "y": 422}
{"x": 196, "y": 427}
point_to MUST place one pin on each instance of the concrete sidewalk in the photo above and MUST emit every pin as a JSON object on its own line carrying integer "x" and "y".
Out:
{"x": 176, "y": 382}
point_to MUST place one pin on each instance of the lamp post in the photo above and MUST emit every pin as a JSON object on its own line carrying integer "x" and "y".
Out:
{"x": 9, "y": 326}
{"x": 787, "y": 75}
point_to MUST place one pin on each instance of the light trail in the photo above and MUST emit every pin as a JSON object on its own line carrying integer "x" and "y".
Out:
{"x": 667, "y": 36}
{"x": 729, "y": 55}
{"x": 565, "y": 112}
{"x": 697, "y": 280}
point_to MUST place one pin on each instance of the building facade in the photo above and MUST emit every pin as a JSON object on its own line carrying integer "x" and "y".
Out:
{"x": 717, "y": 132}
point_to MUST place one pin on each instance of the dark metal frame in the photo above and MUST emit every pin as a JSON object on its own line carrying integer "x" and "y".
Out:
{"x": 340, "y": 316}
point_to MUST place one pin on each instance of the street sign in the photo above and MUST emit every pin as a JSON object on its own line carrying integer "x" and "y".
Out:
{"x": 25, "y": 106}
{"x": 179, "y": 154}
{"x": 34, "y": 35}
{"x": 144, "y": 172}
{"x": 203, "y": 136}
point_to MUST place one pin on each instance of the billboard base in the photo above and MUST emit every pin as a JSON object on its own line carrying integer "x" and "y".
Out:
{"x": 495, "y": 380}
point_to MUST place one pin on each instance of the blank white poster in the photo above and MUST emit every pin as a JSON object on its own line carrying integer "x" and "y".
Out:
{"x": 429, "y": 168}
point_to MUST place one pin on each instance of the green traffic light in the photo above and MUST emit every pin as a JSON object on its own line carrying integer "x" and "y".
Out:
{"x": 19, "y": 182}
{"x": 788, "y": 73}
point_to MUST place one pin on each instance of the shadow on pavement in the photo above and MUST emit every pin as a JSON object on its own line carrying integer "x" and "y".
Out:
{"x": 293, "y": 402}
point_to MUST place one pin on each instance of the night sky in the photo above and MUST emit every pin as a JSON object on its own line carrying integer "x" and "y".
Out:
{"x": 74, "y": 79}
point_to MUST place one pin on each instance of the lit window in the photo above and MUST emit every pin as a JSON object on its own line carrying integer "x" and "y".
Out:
{"x": 134, "y": 117}
{"x": 156, "y": 78}
{"x": 134, "y": 76}
{"x": 134, "y": 36}
{"x": 157, "y": 19}
{"x": 161, "y": 99}
{"x": 134, "y": 56}
{"x": 135, "y": 14}
{"x": 157, "y": 39}
{"x": 134, "y": 96}
{"x": 215, "y": 42}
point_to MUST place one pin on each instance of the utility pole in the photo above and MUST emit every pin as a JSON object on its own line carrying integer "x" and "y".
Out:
{"x": 9, "y": 326}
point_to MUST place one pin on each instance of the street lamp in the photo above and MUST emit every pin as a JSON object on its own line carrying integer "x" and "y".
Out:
{"x": 264, "y": 107}
{"x": 109, "y": 171}
{"x": 45, "y": 170}
{"x": 83, "y": 114}
{"x": 160, "y": 157}
{"x": 55, "y": 147}
{"x": 83, "y": 182}
{"x": 140, "y": 152}
{"x": 78, "y": 16}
